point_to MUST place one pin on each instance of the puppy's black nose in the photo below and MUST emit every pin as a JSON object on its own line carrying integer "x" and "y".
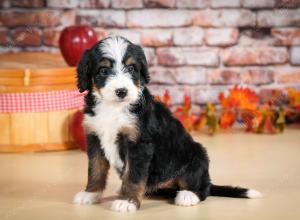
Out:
{"x": 121, "y": 93}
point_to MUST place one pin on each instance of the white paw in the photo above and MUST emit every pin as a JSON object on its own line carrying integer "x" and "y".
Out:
{"x": 86, "y": 198}
{"x": 253, "y": 194}
{"x": 123, "y": 206}
{"x": 186, "y": 198}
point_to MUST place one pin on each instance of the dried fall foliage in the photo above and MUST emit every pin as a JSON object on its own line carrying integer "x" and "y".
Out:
{"x": 240, "y": 105}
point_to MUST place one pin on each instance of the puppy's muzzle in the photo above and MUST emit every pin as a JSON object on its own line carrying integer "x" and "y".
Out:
{"x": 121, "y": 93}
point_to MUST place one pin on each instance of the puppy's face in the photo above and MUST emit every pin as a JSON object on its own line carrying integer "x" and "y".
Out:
{"x": 115, "y": 69}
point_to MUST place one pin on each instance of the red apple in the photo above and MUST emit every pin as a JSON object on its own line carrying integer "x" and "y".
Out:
{"x": 74, "y": 40}
{"x": 77, "y": 131}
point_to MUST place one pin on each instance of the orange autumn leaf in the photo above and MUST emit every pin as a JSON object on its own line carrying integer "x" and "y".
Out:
{"x": 248, "y": 117}
{"x": 201, "y": 122}
{"x": 178, "y": 111}
{"x": 186, "y": 121}
{"x": 257, "y": 121}
{"x": 269, "y": 126}
{"x": 183, "y": 114}
{"x": 187, "y": 104}
{"x": 294, "y": 98}
{"x": 166, "y": 98}
{"x": 265, "y": 122}
{"x": 195, "y": 119}
{"x": 227, "y": 119}
{"x": 242, "y": 98}
{"x": 185, "y": 107}
{"x": 157, "y": 98}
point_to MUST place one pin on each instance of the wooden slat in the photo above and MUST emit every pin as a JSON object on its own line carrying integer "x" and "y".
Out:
{"x": 71, "y": 113}
{"x": 29, "y": 128}
{"x": 10, "y": 89}
{"x": 4, "y": 128}
{"x": 68, "y": 71}
{"x": 15, "y": 73}
{"x": 38, "y": 81}
{"x": 37, "y": 147}
{"x": 52, "y": 80}
{"x": 58, "y": 126}
{"x": 50, "y": 72}
{"x": 41, "y": 133}
{"x": 22, "y": 128}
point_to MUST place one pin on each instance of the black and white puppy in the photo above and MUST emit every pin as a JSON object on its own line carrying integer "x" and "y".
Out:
{"x": 127, "y": 129}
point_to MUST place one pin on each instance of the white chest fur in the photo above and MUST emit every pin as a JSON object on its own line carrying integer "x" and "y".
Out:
{"x": 109, "y": 120}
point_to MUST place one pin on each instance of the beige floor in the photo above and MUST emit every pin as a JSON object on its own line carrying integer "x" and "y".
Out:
{"x": 41, "y": 185}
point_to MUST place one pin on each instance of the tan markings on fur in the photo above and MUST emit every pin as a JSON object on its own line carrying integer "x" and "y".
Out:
{"x": 130, "y": 132}
{"x": 182, "y": 183}
{"x": 162, "y": 185}
{"x": 96, "y": 89}
{"x": 105, "y": 63}
{"x": 97, "y": 176}
{"x": 133, "y": 192}
{"x": 125, "y": 173}
{"x": 130, "y": 61}
{"x": 167, "y": 184}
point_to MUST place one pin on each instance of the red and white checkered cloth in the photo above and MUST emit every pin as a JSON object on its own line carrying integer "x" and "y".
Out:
{"x": 41, "y": 101}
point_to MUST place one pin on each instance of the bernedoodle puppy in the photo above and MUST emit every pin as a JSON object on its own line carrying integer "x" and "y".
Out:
{"x": 127, "y": 129}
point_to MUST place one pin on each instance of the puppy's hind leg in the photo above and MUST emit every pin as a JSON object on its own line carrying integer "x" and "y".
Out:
{"x": 194, "y": 183}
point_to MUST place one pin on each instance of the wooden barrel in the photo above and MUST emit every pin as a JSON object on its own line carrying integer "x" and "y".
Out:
{"x": 28, "y": 81}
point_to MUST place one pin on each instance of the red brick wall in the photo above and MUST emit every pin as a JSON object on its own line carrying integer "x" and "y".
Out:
{"x": 200, "y": 46}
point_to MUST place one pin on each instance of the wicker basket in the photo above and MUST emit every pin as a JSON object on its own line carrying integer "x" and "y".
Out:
{"x": 36, "y": 130}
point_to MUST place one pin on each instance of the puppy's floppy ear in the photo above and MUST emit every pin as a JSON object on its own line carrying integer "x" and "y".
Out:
{"x": 84, "y": 75}
{"x": 144, "y": 70}
{"x": 144, "y": 65}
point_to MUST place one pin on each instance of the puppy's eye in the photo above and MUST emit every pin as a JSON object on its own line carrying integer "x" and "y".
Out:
{"x": 130, "y": 69}
{"x": 103, "y": 71}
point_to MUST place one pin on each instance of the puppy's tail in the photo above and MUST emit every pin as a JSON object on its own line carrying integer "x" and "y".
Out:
{"x": 235, "y": 192}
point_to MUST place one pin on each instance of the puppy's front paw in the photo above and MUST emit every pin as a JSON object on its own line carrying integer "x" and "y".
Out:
{"x": 186, "y": 198}
{"x": 86, "y": 198}
{"x": 123, "y": 206}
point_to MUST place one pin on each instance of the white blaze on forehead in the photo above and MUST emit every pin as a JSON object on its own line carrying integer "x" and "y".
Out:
{"x": 115, "y": 48}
